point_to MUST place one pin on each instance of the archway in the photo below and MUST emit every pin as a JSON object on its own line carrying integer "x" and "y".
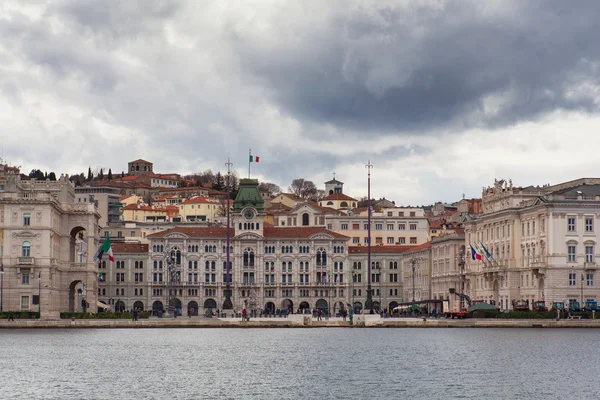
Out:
{"x": 392, "y": 305}
{"x": 157, "y": 308}
{"x": 338, "y": 306}
{"x": 193, "y": 308}
{"x": 119, "y": 307}
{"x": 270, "y": 308}
{"x": 210, "y": 304}
{"x": 304, "y": 306}
{"x": 77, "y": 294}
{"x": 376, "y": 306}
{"x": 78, "y": 245}
{"x": 177, "y": 305}
{"x": 138, "y": 305}
{"x": 104, "y": 307}
{"x": 358, "y": 307}
{"x": 287, "y": 304}
{"x": 322, "y": 305}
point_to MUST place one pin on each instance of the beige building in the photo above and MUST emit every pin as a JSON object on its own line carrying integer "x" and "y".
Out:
{"x": 287, "y": 199}
{"x": 386, "y": 276}
{"x": 447, "y": 266}
{"x": 416, "y": 267}
{"x": 402, "y": 226}
{"x": 543, "y": 242}
{"x": 144, "y": 213}
{"x": 200, "y": 208}
{"x": 48, "y": 247}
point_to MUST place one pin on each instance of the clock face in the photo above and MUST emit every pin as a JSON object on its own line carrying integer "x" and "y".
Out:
{"x": 248, "y": 213}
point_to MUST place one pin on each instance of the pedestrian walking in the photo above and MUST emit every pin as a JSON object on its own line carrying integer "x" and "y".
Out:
{"x": 135, "y": 315}
{"x": 244, "y": 314}
{"x": 319, "y": 315}
{"x": 10, "y": 316}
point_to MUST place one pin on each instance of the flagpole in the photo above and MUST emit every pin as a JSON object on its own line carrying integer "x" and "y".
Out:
{"x": 249, "y": 155}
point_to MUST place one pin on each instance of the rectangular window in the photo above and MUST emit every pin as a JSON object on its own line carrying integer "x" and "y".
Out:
{"x": 355, "y": 240}
{"x": 355, "y": 227}
{"x": 366, "y": 227}
{"x": 390, "y": 227}
{"x": 25, "y": 278}
{"x": 366, "y": 240}
{"x": 401, "y": 240}
{"x": 401, "y": 213}
{"x": 26, "y": 219}
{"x": 390, "y": 240}
{"x": 589, "y": 278}
{"x": 120, "y": 234}
{"x": 589, "y": 224}
{"x": 571, "y": 224}
{"x": 413, "y": 227}
{"x": 589, "y": 254}
{"x": 132, "y": 233}
{"x": 412, "y": 214}
{"x": 344, "y": 227}
{"x": 572, "y": 279}
{"x": 572, "y": 257}
{"x": 401, "y": 227}
{"x": 413, "y": 240}
{"x": 378, "y": 227}
{"x": 24, "y": 302}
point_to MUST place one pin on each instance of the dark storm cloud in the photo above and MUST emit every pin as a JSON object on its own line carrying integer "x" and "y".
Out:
{"x": 417, "y": 68}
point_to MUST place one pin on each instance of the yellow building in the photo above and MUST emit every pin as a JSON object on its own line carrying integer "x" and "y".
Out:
{"x": 128, "y": 199}
{"x": 287, "y": 199}
{"x": 338, "y": 201}
{"x": 200, "y": 208}
{"x": 144, "y": 213}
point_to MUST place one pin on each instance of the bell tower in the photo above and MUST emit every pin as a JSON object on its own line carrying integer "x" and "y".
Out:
{"x": 248, "y": 208}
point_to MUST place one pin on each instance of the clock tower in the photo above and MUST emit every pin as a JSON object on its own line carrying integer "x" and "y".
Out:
{"x": 248, "y": 209}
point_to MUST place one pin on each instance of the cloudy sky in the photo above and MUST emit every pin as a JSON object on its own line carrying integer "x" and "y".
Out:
{"x": 442, "y": 97}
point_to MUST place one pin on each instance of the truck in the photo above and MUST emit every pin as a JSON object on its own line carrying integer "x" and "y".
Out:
{"x": 574, "y": 306}
{"x": 455, "y": 311}
{"x": 521, "y": 305}
{"x": 591, "y": 305}
{"x": 540, "y": 306}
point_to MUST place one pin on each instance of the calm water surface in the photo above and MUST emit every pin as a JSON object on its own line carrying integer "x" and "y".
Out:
{"x": 300, "y": 364}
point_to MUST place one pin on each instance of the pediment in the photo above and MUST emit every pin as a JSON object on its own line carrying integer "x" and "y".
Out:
{"x": 249, "y": 236}
{"x": 322, "y": 236}
{"x": 176, "y": 235}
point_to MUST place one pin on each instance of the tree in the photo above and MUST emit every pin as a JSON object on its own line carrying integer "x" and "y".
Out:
{"x": 36, "y": 174}
{"x": 101, "y": 174}
{"x": 219, "y": 183}
{"x": 110, "y": 174}
{"x": 122, "y": 174}
{"x": 52, "y": 176}
{"x": 303, "y": 188}
{"x": 270, "y": 188}
{"x": 90, "y": 176}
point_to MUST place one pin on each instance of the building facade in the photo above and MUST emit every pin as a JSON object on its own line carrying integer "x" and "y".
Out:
{"x": 48, "y": 246}
{"x": 447, "y": 266}
{"x": 542, "y": 241}
{"x": 416, "y": 267}
{"x": 107, "y": 199}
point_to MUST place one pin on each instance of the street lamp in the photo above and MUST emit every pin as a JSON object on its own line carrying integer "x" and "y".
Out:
{"x": 414, "y": 262}
{"x": 228, "y": 304}
{"x": 40, "y": 294}
{"x": 1, "y": 286}
{"x": 369, "y": 302}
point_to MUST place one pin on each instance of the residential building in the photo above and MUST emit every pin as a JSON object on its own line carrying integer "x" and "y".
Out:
{"x": 542, "y": 241}
{"x": 400, "y": 225}
{"x": 107, "y": 200}
{"x": 416, "y": 267}
{"x": 447, "y": 266}
{"x": 386, "y": 276}
{"x": 144, "y": 213}
{"x": 139, "y": 167}
{"x": 200, "y": 208}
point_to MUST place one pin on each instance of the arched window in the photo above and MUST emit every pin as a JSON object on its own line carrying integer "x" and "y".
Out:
{"x": 257, "y": 225}
{"x": 206, "y": 248}
{"x": 103, "y": 264}
{"x": 291, "y": 249}
{"x": 321, "y": 257}
{"x": 141, "y": 264}
{"x": 214, "y": 248}
{"x": 391, "y": 265}
{"x": 213, "y": 265}
{"x": 190, "y": 264}
{"x": 252, "y": 225}
{"x": 240, "y": 226}
{"x": 359, "y": 265}
{"x": 160, "y": 264}
{"x": 154, "y": 248}
{"x": 305, "y": 219}
{"x": 355, "y": 265}
{"x": 26, "y": 249}
{"x": 248, "y": 257}
{"x": 207, "y": 265}
{"x": 343, "y": 204}
{"x": 330, "y": 203}
{"x": 341, "y": 265}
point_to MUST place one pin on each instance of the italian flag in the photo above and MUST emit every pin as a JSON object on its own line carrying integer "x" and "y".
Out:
{"x": 105, "y": 248}
{"x": 254, "y": 158}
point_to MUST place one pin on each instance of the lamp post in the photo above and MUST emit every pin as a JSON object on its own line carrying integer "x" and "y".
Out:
{"x": 40, "y": 294}
{"x": 414, "y": 262}
{"x": 228, "y": 304}
{"x": 1, "y": 286}
{"x": 369, "y": 302}
{"x": 582, "y": 300}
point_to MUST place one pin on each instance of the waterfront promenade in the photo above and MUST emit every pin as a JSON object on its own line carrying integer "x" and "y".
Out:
{"x": 297, "y": 321}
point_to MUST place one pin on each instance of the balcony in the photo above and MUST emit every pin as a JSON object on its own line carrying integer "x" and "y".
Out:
{"x": 590, "y": 265}
{"x": 25, "y": 261}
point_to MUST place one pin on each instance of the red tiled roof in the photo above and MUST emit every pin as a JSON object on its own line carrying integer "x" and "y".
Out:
{"x": 129, "y": 247}
{"x": 199, "y": 199}
{"x": 338, "y": 196}
{"x": 140, "y": 160}
{"x": 426, "y": 245}
{"x": 305, "y": 232}
{"x": 380, "y": 249}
